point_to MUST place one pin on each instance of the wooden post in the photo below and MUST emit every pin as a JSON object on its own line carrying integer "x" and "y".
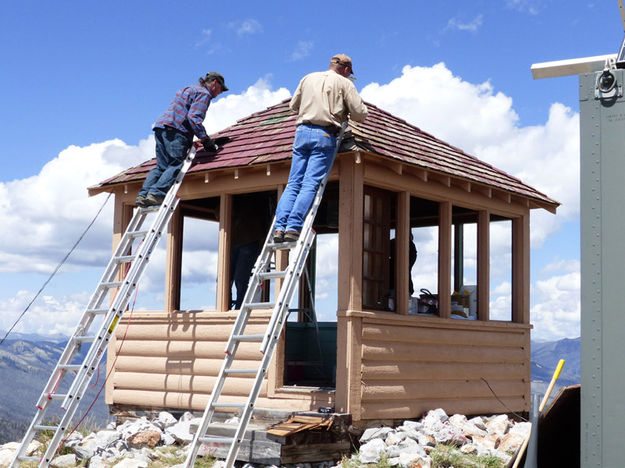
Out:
{"x": 521, "y": 269}
{"x": 173, "y": 267}
{"x": 223, "y": 256}
{"x": 402, "y": 254}
{"x": 483, "y": 265}
{"x": 121, "y": 218}
{"x": 444, "y": 259}
{"x": 350, "y": 234}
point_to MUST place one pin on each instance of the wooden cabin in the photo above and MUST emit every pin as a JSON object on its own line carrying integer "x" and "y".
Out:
{"x": 385, "y": 355}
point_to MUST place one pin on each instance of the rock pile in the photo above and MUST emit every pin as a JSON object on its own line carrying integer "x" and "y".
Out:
{"x": 135, "y": 444}
{"x": 411, "y": 443}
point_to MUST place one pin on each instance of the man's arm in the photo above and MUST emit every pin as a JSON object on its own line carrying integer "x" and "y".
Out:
{"x": 357, "y": 108}
{"x": 197, "y": 113}
{"x": 296, "y": 100}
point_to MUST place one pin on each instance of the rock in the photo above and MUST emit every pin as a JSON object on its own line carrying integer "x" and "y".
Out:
{"x": 87, "y": 447}
{"x": 131, "y": 463}
{"x": 468, "y": 449}
{"x": 489, "y": 441}
{"x": 181, "y": 431}
{"x": 523, "y": 428}
{"x": 6, "y": 454}
{"x": 107, "y": 437}
{"x": 165, "y": 420}
{"x": 479, "y": 422}
{"x": 511, "y": 442}
{"x": 371, "y": 451}
{"x": 450, "y": 435}
{"x": 434, "y": 419}
{"x": 468, "y": 428}
{"x": 394, "y": 437}
{"x": 498, "y": 425}
{"x": 413, "y": 460}
{"x": 64, "y": 461}
{"x": 375, "y": 433}
{"x": 98, "y": 462}
{"x": 144, "y": 438}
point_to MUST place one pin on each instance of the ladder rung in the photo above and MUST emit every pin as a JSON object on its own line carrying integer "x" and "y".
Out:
{"x": 258, "y": 338}
{"x": 112, "y": 284}
{"x": 70, "y": 366}
{"x": 272, "y": 274}
{"x": 124, "y": 258}
{"x": 97, "y": 311}
{"x": 85, "y": 338}
{"x": 45, "y": 428}
{"x": 261, "y": 305}
{"x": 149, "y": 209}
{"x": 229, "y": 405}
{"x": 240, "y": 371}
{"x": 136, "y": 233}
{"x": 22, "y": 457}
{"x": 56, "y": 396}
{"x": 282, "y": 245}
{"x": 216, "y": 440}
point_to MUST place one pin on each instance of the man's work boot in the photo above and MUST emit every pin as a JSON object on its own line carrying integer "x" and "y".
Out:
{"x": 278, "y": 236}
{"x": 141, "y": 201}
{"x": 291, "y": 236}
{"x": 153, "y": 200}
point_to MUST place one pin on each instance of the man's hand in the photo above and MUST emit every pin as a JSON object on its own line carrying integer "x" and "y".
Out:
{"x": 209, "y": 145}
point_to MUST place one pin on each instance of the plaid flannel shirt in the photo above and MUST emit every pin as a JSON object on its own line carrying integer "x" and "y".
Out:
{"x": 187, "y": 111}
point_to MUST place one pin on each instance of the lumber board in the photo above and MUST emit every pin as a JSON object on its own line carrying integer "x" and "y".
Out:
{"x": 442, "y": 371}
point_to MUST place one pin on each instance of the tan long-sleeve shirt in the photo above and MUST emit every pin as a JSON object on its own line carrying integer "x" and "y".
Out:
{"x": 326, "y": 98}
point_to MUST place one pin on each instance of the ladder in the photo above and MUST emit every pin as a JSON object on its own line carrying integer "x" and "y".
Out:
{"x": 264, "y": 270}
{"x": 121, "y": 275}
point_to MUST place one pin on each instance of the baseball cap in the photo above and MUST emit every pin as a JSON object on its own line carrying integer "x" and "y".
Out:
{"x": 216, "y": 76}
{"x": 343, "y": 59}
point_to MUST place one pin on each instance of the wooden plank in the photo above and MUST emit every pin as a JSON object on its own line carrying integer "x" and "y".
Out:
{"x": 216, "y": 331}
{"x": 173, "y": 262}
{"x": 441, "y": 371}
{"x": 444, "y": 259}
{"x": 179, "y": 349}
{"x": 185, "y": 383}
{"x": 402, "y": 264}
{"x": 372, "y": 351}
{"x": 521, "y": 269}
{"x": 223, "y": 254}
{"x": 467, "y": 406}
{"x": 465, "y": 389}
{"x": 414, "y": 334}
{"x": 483, "y": 265}
{"x": 198, "y": 401}
{"x": 306, "y": 453}
{"x": 173, "y": 365}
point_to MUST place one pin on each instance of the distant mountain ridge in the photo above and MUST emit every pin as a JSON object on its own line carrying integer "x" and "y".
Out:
{"x": 25, "y": 367}
{"x": 545, "y": 357}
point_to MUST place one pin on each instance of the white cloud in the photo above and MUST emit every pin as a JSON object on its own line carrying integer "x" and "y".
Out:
{"x": 471, "y": 26}
{"x": 556, "y": 307}
{"x": 483, "y": 122}
{"x": 531, "y": 7}
{"x": 227, "y": 110}
{"x": 246, "y": 27}
{"x": 302, "y": 50}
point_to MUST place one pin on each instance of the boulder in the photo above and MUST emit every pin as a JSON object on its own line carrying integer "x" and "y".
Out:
{"x": 145, "y": 438}
{"x": 64, "y": 461}
{"x": 371, "y": 451}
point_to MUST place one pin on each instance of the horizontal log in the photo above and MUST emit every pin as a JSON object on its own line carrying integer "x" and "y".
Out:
{"x": 173, "y": 365}
{"x": 197, "y": 402}
{"x": 216, "y": 330}
{"x": 184, "y": 349}
{"x": 375, "y": 371}
{"x": 415, "y": 334}
{"x": 460, "y": 389}
{"x": 417, "y": 352}
{"x": 237, "y": 386}
{"x": 417, "y": 408}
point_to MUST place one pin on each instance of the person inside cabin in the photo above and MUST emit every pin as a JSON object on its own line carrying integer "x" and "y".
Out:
{"x": 412, "y": 258}
{"x": 174, "y": 132}
{"x": 251, "y": 219}
{"x": 323, "y": 101}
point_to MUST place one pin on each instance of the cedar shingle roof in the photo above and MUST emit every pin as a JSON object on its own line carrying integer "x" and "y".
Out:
{"x": 267, "y": 136}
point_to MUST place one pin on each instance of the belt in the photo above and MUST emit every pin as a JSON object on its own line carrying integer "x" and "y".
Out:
{"x": 331, "y": 129}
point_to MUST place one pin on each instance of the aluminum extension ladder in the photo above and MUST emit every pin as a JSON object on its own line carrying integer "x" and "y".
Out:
{"x": 264, "y": 270}
{"x": 124, "y": 264}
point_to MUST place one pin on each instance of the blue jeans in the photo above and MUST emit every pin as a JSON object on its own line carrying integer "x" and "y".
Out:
{"x": 171, "y": 149}
{"x": 313, "y": 149}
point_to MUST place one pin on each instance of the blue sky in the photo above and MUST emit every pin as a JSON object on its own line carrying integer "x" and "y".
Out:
{"x": 82, "y": 83}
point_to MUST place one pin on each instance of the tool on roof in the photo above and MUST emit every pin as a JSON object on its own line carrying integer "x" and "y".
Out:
{"x": 264, "y": 270}
{"x": 121, "y": 275}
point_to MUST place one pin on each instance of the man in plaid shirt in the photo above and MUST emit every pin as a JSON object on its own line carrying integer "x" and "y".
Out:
{"x": 174, "y": 132}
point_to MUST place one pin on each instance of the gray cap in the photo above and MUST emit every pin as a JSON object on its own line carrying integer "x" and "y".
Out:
{"x": 210, "y": 76}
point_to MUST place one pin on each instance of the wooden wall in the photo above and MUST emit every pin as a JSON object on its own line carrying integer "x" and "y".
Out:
{"x": 410, "y": 364}
{"x": 172, "y": 361}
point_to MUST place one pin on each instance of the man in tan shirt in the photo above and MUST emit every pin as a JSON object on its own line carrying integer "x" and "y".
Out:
{"x": 323, "y": 101}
